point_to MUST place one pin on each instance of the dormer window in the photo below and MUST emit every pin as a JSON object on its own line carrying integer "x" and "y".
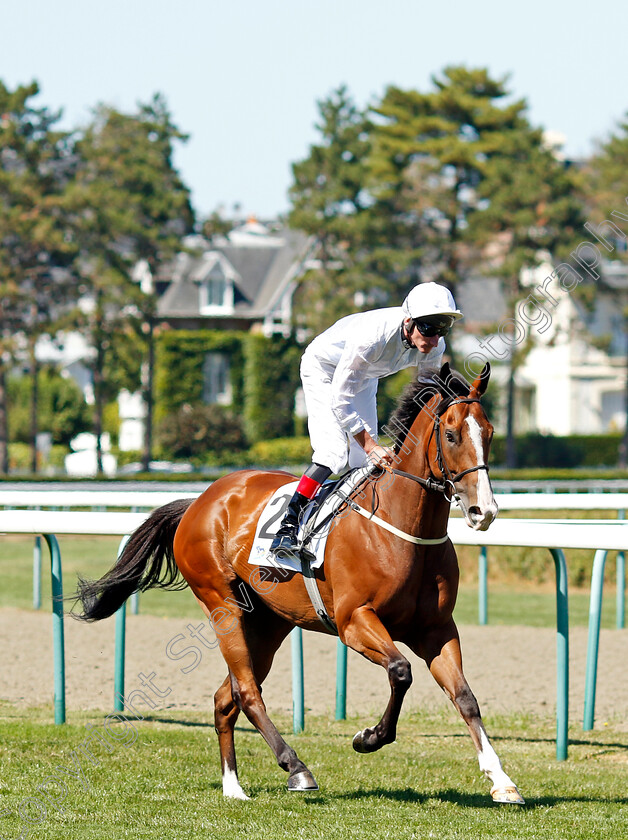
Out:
{"x": 213, "y": 292}
{"x": 215, "y": 286}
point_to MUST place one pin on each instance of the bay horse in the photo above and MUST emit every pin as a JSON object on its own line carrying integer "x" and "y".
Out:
{"x": 379, "y": 587}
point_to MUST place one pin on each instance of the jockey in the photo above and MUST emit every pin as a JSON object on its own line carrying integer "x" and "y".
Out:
{"x": 340, "y": 370}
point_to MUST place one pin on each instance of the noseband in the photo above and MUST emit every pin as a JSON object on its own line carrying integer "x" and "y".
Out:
{"x": 449, "y": 484}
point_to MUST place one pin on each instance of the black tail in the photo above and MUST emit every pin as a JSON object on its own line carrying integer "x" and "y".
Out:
{"x": 139, "y": 567}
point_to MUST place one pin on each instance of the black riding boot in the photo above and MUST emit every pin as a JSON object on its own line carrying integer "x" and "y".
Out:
{"x": 285, "y": 542}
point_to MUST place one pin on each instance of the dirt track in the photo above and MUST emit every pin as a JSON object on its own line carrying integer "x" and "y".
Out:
{"x": 502, "y": 664}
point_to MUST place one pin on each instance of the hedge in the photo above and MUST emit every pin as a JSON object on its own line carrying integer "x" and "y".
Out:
{"x": 264, "y": 375}
{"x": 537, "y": 450}
{"x": 179, "y": 367}
{"x": 281, "y": 451}
{"x": 271, "y": 379}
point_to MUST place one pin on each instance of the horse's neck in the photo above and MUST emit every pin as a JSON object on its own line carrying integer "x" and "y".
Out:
{"x": 408, "y": 505}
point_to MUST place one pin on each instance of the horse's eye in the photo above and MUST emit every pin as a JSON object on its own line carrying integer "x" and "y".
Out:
{"x": 450, "y": 437}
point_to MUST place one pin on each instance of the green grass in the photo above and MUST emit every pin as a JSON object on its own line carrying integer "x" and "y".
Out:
{"x": 530, "y": 608}
{"x": 166, "y": 784}
{"x": 512, "y": 600}
{"x": 89, "y": 557}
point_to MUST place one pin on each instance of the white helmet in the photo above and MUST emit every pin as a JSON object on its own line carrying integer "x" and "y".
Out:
{"x": 430, "y": 299}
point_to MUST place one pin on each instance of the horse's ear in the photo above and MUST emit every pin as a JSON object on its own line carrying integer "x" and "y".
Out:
{"x": 445, "y": 373}
{"x": 481, "y": 382}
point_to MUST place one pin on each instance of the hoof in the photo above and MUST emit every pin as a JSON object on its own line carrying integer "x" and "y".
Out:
{"x": 365, "y": 741}
{"x": 301, "y": 781}
{"x": 237, "y": 794}
{"x": 507, "y": 796}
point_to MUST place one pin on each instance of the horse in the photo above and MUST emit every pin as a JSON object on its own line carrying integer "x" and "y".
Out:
{"x": 379, "y": 585}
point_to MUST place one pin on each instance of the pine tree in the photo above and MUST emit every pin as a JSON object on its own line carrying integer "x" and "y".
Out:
{"x": 446, "y": 176}
{"x": 35, "y": 164}
{"x": 128, "y": 204}
{"x": 329, "y": 202}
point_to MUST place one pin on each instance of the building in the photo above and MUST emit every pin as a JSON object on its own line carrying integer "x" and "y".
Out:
{"x": 241, "y": 281}
{"x": 573, "y": 376}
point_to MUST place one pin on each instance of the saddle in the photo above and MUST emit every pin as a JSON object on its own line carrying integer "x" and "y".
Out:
{"x": 332, "y": 499}
{"x": 317, "y": 521}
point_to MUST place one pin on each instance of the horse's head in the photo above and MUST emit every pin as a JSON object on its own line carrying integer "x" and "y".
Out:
{"x": 447, "y": 421}
{"x": 459, "y": 447}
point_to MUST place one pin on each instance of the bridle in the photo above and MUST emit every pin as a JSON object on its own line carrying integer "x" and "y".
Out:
{"x": 449, "y": 483}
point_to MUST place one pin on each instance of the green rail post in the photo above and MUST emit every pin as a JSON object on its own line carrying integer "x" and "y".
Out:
{"x": 620, "y": 610}
{"x": 37, "y": 573}
{"x": 562, "y": 655}
{"x": 593, "y": 643}
{"x": 482, "y": 586}
{"x": 58, "y": 643}
{"x": 135, "y": 597}
{"x": 118, "y": 664}
{"x": 298, "y": 701}
{"x": 341, "y": 681}
{"x": 120, "y": 650}
{"x": 620, "y": 617}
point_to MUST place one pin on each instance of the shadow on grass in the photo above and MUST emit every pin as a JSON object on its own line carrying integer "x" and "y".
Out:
{"x": 176, "y": 722}
{"x": 195, "y": 724}
{"x": 512, "y": 739}
{"x": 463, "y": 800}
{"x": 342, "y": 736}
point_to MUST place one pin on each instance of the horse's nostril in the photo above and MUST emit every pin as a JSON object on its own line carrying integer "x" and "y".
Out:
{"x": 475, "y": 512}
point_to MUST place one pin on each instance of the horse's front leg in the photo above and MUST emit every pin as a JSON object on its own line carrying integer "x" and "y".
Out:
{"x": 440, "y": 648}
{"x": 365, "y": 633}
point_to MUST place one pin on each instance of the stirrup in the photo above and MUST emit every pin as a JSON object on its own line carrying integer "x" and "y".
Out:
{"x": 286, "y": 547}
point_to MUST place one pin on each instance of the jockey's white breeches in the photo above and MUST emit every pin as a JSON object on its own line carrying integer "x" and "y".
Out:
{"x": 332, "y": 446}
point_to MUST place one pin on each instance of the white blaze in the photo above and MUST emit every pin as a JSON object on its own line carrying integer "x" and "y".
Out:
{"x": 485, "y": 493}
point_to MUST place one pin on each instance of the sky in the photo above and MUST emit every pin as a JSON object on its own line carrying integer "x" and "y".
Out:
{"x": 243, "y": 78}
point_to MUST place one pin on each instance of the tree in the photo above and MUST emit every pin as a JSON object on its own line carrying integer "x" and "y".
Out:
{"x": 533, "y": 211}
{"x": 163, "y": 215}
{"x": 129, "y": 205}
{"x": 61, "y": 407}
{"x": 447, "y": 176}
{"x": 329, "y": 202}
{"x": 397, "y": 208}
{"x": 35, "y": 164}
{"x": 605, "y": 191}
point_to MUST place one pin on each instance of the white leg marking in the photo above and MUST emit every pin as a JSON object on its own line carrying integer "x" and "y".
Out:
{"x": 486, "y": 500}
{"x": 231, "y": 786}
{"x": 490, "y": 764}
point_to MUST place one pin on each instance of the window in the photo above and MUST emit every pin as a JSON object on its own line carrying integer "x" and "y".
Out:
{"x": 215, "y": 292}
{"x": 215, "y": 278}
{"x": 216, "y": 380}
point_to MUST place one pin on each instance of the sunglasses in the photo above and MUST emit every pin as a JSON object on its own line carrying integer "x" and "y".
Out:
{"x": 430, "y": 328}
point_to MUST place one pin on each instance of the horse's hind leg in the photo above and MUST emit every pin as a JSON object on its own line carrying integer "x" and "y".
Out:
{"x": 248, "y": 645}
{"x": 366, "y": 634}
{"x": 226, "y": 710}
{"x": 440, "y": 649}
{"x": 225, "y": 716}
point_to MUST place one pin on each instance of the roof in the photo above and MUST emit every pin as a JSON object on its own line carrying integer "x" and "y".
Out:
{"x": 258, "y": 262}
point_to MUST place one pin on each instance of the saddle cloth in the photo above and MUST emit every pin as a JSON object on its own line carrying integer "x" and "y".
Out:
{"x": 328, "y": 500}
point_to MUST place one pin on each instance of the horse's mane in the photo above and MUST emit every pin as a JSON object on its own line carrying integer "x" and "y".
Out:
{"x": 415, "y": 397}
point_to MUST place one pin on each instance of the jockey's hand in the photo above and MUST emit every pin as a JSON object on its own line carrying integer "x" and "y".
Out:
{"x": 381, "y": 456}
